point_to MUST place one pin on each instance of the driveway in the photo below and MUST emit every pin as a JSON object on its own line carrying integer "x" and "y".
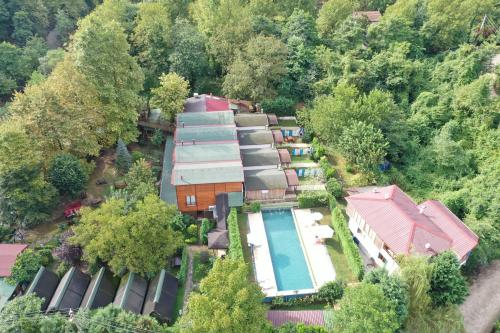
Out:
{"x": 482, "y": 308}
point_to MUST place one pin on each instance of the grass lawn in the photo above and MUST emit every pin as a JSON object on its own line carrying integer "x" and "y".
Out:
{"x": 247, "y": 254}
{"x": 309, "y": 181}
{"x": 335, "y": 250}
{"x": 200, "y": 270}
{"x": 179, "y": 302}
{"x": 301, "y": 159}
{"x": 287, "y": 122}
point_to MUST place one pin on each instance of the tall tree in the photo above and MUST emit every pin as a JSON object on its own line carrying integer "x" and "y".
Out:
{"x": 227, "y": 302}
{"x": 170, "y": 95}
{"x": 448, "y": 286}
{"x": 257, "y": 71}
{"x": 332, "y": 13}
{"x": 102, "y": 55}
{"x": 137, "y": 237}
{"x": 67, "y": 174}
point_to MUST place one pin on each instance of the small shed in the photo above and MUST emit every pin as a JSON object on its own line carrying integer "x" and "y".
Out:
{"x": 70, "y": 291}
{"x": 161, "y": 297}
{"x": 131, "y": 293}
{"x": 251, "y": 139}
{"x": 44, "y": 285}
{"x": 101, "y": 290}
{"x": 8, "y": 255}
{"x": 251, "y": 120}
{"x": 278, "y": 137}
{"x": 6, "y": 292}
{"x": 292, "y": 180}
{"x": 221, "y": 210}
{"x": 273, "y": 120}
{"x": 218, "y": 239}
{"x": 285, "y": 157}
{"x": 260, "y": 158}
{"x": 373, "y": 16}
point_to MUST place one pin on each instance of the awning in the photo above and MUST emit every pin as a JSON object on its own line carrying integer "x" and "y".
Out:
{"x": 322, "y": 231}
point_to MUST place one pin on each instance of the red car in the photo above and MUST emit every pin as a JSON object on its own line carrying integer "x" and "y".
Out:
{"x": 72, "y": 209}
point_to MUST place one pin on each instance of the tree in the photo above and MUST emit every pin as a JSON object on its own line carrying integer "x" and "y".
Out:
{"x": 258, "y": 70}
{"x": 65, "y": 25}
{"x": 123, "y": 157}
{"x": 22, "y": 314}
{"x": 393, "y": 288}
{"x": 332, "y": 13}
{"x": 153, "y": 39}
{"x": 50, "y": 60}
{"x": 67, "y": 251}
{"x": 448, "y": 286}
{"x": 170, "y": 95}
{"x": 23, "y": 27}
{"x": 15, "y": 68}
{"x": 101, "y": 54}
{"x": 25, "y": 268}
{"x": 300, "y": 24}
{"x": 364, "y": 308}
{"x": 227, "y": 302}
{"x": 332, "y": 291}
{"x": 363, "y": 145}
{"x": 140, "y": 180}
{"x": 137, "y": 237}
{"x": 67, "y": 174}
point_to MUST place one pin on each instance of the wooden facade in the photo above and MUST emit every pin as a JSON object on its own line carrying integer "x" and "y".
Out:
{"x": 204, "y": 195}
{"x": 264, "y": 195}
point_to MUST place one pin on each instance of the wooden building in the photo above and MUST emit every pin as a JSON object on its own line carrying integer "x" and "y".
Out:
{"x": 265, "y": 185}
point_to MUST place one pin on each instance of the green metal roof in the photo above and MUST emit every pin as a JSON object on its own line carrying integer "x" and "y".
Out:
{"x": 235, "y": 199}
{"x": 205, "y": 153}
{"x": 271, "y": 179}
{"x": 205, "y": 134}
{"x": 251, "y": 119}
{"x": 6, "y": 291}
{"x": 260, "y": 157}
{"x": 207, "y": 173}
{"x": 167, "y": 191}
{"x": 205, "y": 118}
{"x": 255, "y": 137}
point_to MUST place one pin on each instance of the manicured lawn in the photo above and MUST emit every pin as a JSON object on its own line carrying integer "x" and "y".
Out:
{"x": 301, "y": 159}
{"x": 335, "y": 250}
{"x": 309, "y": 181}
{"x": 287, "y": 122}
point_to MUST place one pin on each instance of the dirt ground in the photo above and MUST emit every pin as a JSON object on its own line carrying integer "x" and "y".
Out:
{"x": 482, "y": 308}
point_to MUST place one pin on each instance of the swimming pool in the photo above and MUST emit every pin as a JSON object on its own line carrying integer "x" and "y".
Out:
{"x": 289, "y": 264}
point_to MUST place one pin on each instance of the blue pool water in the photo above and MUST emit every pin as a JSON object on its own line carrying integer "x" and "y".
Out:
{"x": 289, "y": 263}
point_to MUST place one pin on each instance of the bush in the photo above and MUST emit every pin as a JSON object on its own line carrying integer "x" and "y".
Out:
{"x": 181, "y": 275}
{"x": 235, "y": 248}
{"x": 318, "y": 150}
{"x": 136, "y": 156}
{"x": 25, "y": 268}
{"x": 326, "y": 167}
{"x": 123, "y": 158}
{"x": 67, "y": 174}
{"x": 6, "y": 233}
{"x": 331, "y": 291}
{"x": 192, "y": 230}
{"x": 191, "y": 240}
{"x": 255, "y": 207}
{"x": 205, "y": 228}
{"x": 62, "y": 269}
{"x": 350, "y": 249}
{"x": 46, "y": 256}
{"x": 158, "y": 137}
{"x": 299, "y": 328}
{"x": 68, "y": 252}
{"x": 281, "y": 106}
{"x": 313, "y": 199}
{"x": 334, "y": 187}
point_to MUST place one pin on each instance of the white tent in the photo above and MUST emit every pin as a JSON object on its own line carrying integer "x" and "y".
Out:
{"x": 322, "y": 231}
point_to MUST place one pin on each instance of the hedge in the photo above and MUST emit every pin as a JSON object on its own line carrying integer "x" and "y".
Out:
{"x": 181, "y": 275}
{"x": 312, "y": 199}
{"x": 281, "y": 106}
{"x": 326, "y": 167}
{"x": 350, "y": 249}
{"x": 235, "y": 248}
{"x": 204, "y": 229}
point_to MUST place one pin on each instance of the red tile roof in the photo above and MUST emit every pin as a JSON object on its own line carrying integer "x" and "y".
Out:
{"x": 372, "y": 16}
{"x": 8, "y": 255}
{"x": 273, "y": 120}
{"x": 310, "y": 317}
{"x": 213, "y": 103}
{"x": 291, "y": 177}
{"x": 284, "y": 156}
{"x": 406, "y": 228}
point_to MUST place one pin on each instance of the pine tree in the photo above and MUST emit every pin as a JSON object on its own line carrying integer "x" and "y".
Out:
{"x": 123, "y": 158}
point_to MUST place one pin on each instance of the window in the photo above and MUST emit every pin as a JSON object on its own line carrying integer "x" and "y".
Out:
{"x": 265, "y": 191}
{"x": 190, "y": 200}
{"x": 381, "y": 257}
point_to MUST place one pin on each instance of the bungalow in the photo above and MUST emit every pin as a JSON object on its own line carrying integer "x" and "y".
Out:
{"x": 8, "y": 256}
{"x": 44, "y": 285}
{"x": 373, "y": 16}
{"x": 70, "y": 291}
{"x": 251, "y": 121}
{"x": 292, "y": 179}
{"x": 386, "y": 222}
{"x": 197, "y": 119}
{"x": 260, "y": 159}
{"x": 161, "y": 297}
{"x": 131, "y": 293}
{"x": 285, "y": 157}
{"x": 264, "y": 185}
{"x": 101, "y": 290}
{"x": 206, "y": 103}
{"x": 252, "y": 139}
{"x": 205, "y": 135}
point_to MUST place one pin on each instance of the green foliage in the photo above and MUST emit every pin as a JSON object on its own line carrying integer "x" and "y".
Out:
{"x": 22, "y": 314}
{"x": 192, "y": 231}
{"x": 235, "y": 247}
{"x": 332, "y": 291}
{"x": 318, "y": 151}
{"x": 448, "y": 286}
{"x": 123, "y": 158}
{"x": 299, "y": 328}
{"x": 158, "y": 137}
{"x": 332, "y": 13}
{"x": 312, "y": 199}
{"x": 62, "y": 268}
{"x": 46, "y": 257}
{"x": 255, "y": 207}
{"x": 281, "y": 106}
{"x": 365, "y": 308}
{"x": 140, "y": 180}
{"x": 27, "y": 264}
{"x": 67, "y": 174}
{"x": 170, "y": 95}
{"x": 334, "y": 187}
{"x": 227, "y": 302}
{"x": 136, "y": 236}
{"x": 136, "y": 155}
{"x": 326, "y": 167}
{"x": 350, "y": 249}
{"x": 204, "y": 229}
{"x": 6, "y": 233}
{"x": 183, "y": 269}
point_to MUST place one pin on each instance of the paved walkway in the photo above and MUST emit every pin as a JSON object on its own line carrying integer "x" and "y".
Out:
{"x": 482, "y": 308}
{"x": 189, "y": 278}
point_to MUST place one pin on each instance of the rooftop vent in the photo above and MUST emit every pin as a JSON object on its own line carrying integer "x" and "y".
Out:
{"x": 421, "y": 209}
{"x": 427, "y": 246}
{"x": 196, "y": 95}
{"x": 194, "y": 141}
{"x": 375, "y": 190}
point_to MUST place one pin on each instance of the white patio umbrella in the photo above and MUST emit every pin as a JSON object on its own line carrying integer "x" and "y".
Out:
{"x": 253, "y": 239}
{"x": 316, "y": 216}
{"x": 322, "y": 231}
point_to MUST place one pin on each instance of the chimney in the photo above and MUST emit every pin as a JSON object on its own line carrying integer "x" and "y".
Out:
{"x": 421, "y": 209}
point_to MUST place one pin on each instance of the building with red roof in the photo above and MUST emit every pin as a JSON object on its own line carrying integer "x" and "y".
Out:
{"x": 387, "y": 222}
{"x": 8, "y": 255}
{"x": 206, "y": 103}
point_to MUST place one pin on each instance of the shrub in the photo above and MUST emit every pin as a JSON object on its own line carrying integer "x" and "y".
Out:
{"x": 281, "y": 106}
{"x": 313, "y": 199}
{"x": 331, "y": 291}
{"x": 136, "y": 156}
{"x": 191, "y": 240}
{"x": 350, "y": 249}
{"x": 334, "y": 187}
{"x": 192, "y": 230}
{"x": 123, "y": 158}
{"x": 62, "y": 268}
{"x": 68, "y": 252}
{"x": 26, "y": 266}
{"x": 235, "y": 248}
{"x": 67, "y": 174}
{"x": 6, "y": 233}
{"x": 299, "y": 328}
{"x": 158, "y": 137}
{"x": 255, "y": 207}
{"x": 181, "y": 275}
{"x": 205, "y": 228}
{"x": 318, "y": 150}
{"x": 326, "y": 167}
{"x": 46, "y": 256}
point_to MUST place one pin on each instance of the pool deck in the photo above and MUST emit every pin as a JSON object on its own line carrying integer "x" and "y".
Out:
{"x": 317, "y": 257}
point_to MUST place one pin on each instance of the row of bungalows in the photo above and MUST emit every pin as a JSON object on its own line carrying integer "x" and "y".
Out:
{"x": 78, "y": 290}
